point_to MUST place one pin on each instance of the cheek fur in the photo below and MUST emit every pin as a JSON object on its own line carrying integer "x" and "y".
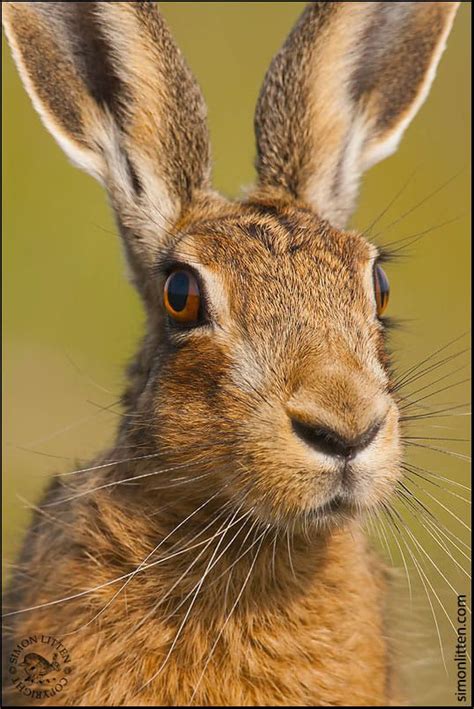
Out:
{"x": 189, "y": 397}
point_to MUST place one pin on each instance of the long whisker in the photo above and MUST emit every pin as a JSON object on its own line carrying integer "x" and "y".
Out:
{"x": 420, "y": 546}
{"x": 145, "y": 560}
{"x": 381, "y": 527}
{"x": 290, "y": 559}
{"x": 395, "y": 537}
{"x": 381, "y": 214}
{"x": 67, "y": 428}
{"x": 84, "y": 375}
{"x": 229, "y": 522}
{"x": 115, "y": 483}
{"x": 414, "y": 468}
{"x": 234, "y": 606}
{"x": 419, "y": 374}
{"x": 441, "y": 504}
{"x": 423, "y": 580}
{"x": 434, "y": 530}
{"x": 41, "y": 511}
{"x": 162, "y": 452}
{"x": 81, "y": 594}
{"x": 436, "y": 567}
{"x": 419, "y": 364}
{"x": 436, "y": 381}
{"x": 414, "y": 238}
{"x": 42, "y": 453}
{"x": 438, "y": 414}
{"x": 228, "y": 570}
{"x": 410, "y": 472}
{"x": 438, "y": 391}
{"x": 454, "y": 454}
{"x": 182, "y": 624}
{"x": 215, "y": 561}
{"x": 419, "y": 204}
{"x": 427, "y": 515}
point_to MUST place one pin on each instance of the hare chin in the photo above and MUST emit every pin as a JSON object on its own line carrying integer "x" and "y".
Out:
{"x": 339, "y": 509}
{"x": 322, "y": 510}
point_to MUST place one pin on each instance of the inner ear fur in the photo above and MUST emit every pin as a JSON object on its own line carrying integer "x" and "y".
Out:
{"x": 340, "y": 93}
{"x": 114, "y": 90}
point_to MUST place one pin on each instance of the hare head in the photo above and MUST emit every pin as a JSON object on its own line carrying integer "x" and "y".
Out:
{"x": 264, "y": 361}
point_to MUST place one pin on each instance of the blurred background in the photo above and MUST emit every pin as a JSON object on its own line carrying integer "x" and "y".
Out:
{"x": 71, "y": 321}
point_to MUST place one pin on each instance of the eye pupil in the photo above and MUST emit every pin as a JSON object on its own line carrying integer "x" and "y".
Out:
{"x": 181, "y": 297}
{"x": 178, "y": 290}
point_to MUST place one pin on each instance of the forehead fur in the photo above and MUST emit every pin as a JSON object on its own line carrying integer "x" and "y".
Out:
{"x": 236, "y": 233}
{"x": 287, "y": 251}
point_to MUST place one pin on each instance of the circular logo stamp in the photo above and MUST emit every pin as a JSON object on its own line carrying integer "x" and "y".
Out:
{"x": 39, "y": 666}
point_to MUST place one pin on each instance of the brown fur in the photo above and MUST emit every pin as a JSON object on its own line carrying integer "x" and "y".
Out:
{"x": 262, "y": 590}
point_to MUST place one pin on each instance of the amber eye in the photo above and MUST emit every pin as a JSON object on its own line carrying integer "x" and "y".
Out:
{"x": 182, "y": 298}
{"x": 382, "y": 289}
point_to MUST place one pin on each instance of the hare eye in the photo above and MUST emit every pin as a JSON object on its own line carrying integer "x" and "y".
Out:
{"x": 382, "y": 289}
{"x": 182, "y": 298}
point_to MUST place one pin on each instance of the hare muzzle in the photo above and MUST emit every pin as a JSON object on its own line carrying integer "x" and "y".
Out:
{"x": 348, "y": 427}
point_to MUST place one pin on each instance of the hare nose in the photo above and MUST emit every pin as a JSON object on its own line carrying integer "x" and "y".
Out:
{"x": 326, "y": 440}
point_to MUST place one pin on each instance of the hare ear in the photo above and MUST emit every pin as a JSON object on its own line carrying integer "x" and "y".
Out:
{"x": 115, "y": 92}
{"x": 340, "y": 93}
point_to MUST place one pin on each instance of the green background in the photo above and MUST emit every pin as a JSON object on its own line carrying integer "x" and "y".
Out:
{"x": 71, "y": 321}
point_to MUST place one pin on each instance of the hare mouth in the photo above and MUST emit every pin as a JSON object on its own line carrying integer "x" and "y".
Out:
{"x": 336, "y": 505}
{"x": 341, "y": 506}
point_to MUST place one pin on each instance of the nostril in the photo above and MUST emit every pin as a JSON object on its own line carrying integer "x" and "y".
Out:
{"x": 328, "y": 441}
{"x": 323, "y": 439}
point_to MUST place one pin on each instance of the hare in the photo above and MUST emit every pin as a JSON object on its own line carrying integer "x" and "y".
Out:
{"x": 37, "y": 668}
{"x": 215, "y": 555}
